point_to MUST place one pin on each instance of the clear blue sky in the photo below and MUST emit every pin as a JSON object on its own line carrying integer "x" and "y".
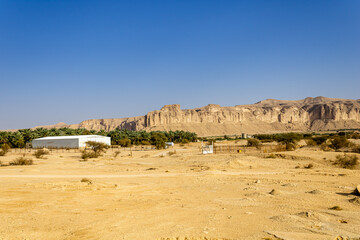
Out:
{"x": 68, "y": 61}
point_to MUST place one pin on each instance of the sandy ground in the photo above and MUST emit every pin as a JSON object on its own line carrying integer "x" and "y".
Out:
{"x": 151, "y": 195}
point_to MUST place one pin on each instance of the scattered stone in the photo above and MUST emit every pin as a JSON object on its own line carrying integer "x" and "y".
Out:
{"x": 86, "y": 180}
{"x": 357, "y": 190}
{"x": 275, "y": 192}
{"x": 289, "y": 185}
{"x": 152, "y": 168}
{"x": 355, "y": 200}
{"x": 316, "y": 191}
{"x": 336, "y": 208}
{"x": 306, "y": 214}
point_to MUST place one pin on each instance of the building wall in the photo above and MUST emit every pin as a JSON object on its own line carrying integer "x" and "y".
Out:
{"x": 102, "y": 139}
{"x": 56, "y": 143}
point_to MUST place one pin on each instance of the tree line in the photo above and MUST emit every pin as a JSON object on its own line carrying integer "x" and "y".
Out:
{"x": 125, "y": 138}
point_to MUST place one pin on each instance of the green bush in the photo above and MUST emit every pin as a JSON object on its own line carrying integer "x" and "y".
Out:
{"x": 4, "y": 149}
{"x": 158, "y": 139}
{"x": 355, "y": 135}
{"x": 22, "y": 161}
{"x": 97, "y": 147}
{"x": 320, "y": 140}
{"x": 253, "y": 142}
{"x": 125, "y": 142}
{"x": 310, "y": 142}
{"x": 338, "y": 142}
{"x": 185, "y": 141}
{"x": 346, "y": 161}
{"x": 144, "y": 142}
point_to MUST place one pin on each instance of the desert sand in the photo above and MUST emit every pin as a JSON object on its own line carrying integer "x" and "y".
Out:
{"x": 152, "y": 195}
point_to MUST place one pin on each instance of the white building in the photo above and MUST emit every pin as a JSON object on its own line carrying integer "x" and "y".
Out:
{"x": 208, "y": 149}
{"x": 78, "y": 141}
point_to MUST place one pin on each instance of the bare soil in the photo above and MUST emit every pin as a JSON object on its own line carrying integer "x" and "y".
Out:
{"x": 152, "y": 195}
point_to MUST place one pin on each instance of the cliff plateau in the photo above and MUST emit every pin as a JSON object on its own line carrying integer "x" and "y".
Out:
{"x": 268, "y": 116}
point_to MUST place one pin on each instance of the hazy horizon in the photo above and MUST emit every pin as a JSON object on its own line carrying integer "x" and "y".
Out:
{"x": 72, "y": 61}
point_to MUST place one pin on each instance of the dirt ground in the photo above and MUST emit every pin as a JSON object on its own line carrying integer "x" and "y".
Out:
{"x": 186, "y": 195}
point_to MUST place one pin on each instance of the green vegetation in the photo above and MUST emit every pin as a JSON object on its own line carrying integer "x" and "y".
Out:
{"x": 4, "y": 149}
{"x": 289, "y": 139}
{"x": 346, "y": 161}
{"x": 253, "y": 142}
{"x": 338, "y": 142}
{"x": 124, "y": 137}
{"x": 97, "y": 148}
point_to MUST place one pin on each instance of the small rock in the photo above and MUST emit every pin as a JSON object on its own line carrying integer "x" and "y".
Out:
{"x": 316, "y": 191}
{"x": 257, "y": 181}
{"x": 274, "y": 192}
{"x": 357, "y": 190}
{"x": 355, "y": 200}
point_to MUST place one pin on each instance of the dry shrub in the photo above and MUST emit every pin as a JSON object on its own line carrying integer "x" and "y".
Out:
{"x": 310, "y": 165}
{"x": 86, "y": 155}
{"x": 86, "y": 180}
{"x": 22, "y": 161}
{"x": 355, "y": 149}
{"x": 97, "y": 147}
{"x": 40, "y": 153}
{"x": 338, "y": 142}
{"x": 346, "y": 161}
{"x": 116, "y": 153}
{"x": 172, "y": 153}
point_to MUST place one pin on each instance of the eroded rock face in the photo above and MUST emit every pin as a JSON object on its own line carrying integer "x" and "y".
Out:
{"x": 310, "y": 114}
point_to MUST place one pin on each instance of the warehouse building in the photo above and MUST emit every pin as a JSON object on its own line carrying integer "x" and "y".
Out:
{"x": 78, "y": 141}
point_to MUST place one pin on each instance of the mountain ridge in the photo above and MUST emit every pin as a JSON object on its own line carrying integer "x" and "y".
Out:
{"x": 266, "y": 116}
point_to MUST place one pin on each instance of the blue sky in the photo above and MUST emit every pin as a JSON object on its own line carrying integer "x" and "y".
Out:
{"x": 68, "y": 61}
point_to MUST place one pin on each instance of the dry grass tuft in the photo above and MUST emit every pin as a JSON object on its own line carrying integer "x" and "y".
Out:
{"x": 22, "y": 161}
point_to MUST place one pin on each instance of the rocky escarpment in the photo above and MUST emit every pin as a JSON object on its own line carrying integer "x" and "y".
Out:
{"x": 268, "y": 116}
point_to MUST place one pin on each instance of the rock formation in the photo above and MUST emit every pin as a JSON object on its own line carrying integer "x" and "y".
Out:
{"x": 268, "y": 116}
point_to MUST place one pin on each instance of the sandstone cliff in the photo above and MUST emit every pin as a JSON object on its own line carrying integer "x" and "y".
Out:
{"x": 268, "y": 116}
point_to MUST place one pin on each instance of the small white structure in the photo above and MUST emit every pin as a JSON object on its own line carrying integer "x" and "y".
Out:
{"x": 78, "y": 141}
{"x": 208, "y": 149}
{"x": 169, "y": 144}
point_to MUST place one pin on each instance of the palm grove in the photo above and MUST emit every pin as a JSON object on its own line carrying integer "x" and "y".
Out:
{"x": 124, "y": 138}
